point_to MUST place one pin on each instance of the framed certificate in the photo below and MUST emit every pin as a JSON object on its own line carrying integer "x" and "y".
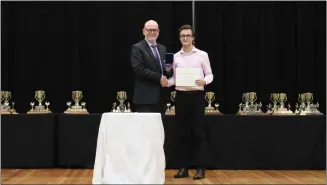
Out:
{"x": 186, "y": 77}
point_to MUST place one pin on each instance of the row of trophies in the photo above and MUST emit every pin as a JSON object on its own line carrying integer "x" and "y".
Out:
{"x": 77, "y": 108}
{"x": 305, "y": 106}
{"x": 40, "y": 108}
{"x": 209, "y": 97}
{"x": 247, "y": 107}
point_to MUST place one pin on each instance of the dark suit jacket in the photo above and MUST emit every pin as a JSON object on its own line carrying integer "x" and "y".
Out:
{"x": 147, "y": 73}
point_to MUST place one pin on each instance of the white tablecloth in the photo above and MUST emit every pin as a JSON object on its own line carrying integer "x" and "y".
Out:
{"x": 130, "y": 149}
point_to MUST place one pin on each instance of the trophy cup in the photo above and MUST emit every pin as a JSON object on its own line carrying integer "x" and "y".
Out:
{"x": 76, "y": 108}
{"x": 249, "y": 107}
{"x": 209, "y": 97}
{"x": 39, "y": 109}
{"x": 274, "y": 99}
{"x": 280, "y": 109}
{"x": 171, "y": 110}
{"x": 5, "y": 103}
{"x": 121, "y": 108}
{"x": 306, "y": 106}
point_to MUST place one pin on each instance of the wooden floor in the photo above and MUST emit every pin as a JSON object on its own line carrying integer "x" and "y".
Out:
{"x": 84, "y": 176}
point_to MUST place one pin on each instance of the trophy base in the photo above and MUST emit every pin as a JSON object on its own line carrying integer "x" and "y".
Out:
{"x": 251, "y": 113}
{"x": 119, "y": 111}
{"x": 213, "y": 113}
{"x": 77, "y": 107}
{"x": 5, "y": 112}
{"x": 76, "y": 111}
{"x": 39, "y": 112}
{"x": 170, "y": 113}
{"x": 283, "y": 113}
{"x": 309, "y": 113}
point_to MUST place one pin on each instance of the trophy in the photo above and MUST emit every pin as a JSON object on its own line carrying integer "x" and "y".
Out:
{"x": 249, "y": 107}
{"x": 5, "y": 104}
{"x": 209, "y": 97}
{"x": 274, "y": 98}
{"x": 76, "y": 108}
{"x": 121, "y": 97}
{"x": 306, "y": 106}
{"x": 171, "y": 110}
{"x": 280, "y": 109}
{"x": 39, "y": 109}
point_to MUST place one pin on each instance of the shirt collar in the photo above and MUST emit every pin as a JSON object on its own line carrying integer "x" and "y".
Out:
{"x": 194, "y": 49}
{"x": 149, "y": 43}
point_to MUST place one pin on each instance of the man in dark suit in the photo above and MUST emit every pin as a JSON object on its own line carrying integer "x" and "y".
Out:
{"x": 147, "y": 59}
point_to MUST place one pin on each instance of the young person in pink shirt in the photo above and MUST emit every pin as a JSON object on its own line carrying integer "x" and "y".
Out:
{"x": 190, "y": 104}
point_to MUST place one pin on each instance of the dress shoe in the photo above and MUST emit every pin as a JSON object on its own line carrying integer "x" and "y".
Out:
{"x": 200, "y": 174}
{"x": 183, "y": 172}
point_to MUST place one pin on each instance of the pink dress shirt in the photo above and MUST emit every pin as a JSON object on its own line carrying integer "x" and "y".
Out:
{"x": 195, "y": 59}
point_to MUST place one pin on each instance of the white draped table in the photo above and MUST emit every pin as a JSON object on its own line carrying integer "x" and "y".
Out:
{"x": 130, "y": 149}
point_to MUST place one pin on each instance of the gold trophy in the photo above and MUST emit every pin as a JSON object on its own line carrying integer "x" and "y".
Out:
{"x": 280, "y": 109}
{"x": 249, "y": 107}
{"x": 76, "y": 108}
{"x": 39, "y": 109}
{"x": 171, "y": 110}
{"x": 210, "y": 97}
{"x": 5, "y": 106}
{"x": 252, "y": 97}
{"x": 274, "y": 98}
{"x": 121, "y": 97}
{"x": 306, "y": 106}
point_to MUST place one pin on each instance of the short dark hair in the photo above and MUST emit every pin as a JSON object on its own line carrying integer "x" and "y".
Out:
{"x": 187, "y": 27}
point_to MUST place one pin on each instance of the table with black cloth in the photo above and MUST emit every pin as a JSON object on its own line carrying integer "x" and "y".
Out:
{"x": 236, "y": 142}
{"x": 77, "y": 139}
{"x": 28, "y": 141}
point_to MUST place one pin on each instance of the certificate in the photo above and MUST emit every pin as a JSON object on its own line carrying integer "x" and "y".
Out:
{"x": 186, "y": 77}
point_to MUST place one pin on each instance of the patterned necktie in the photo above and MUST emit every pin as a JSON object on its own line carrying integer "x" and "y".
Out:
{"x": 156, "y": 54}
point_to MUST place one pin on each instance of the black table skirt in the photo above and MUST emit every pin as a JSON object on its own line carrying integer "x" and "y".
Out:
{"x": 77, "y": 139}
{"x": 28, "y": 141}
{"x": 236, "y": 142}
{"x": 259, "y": 142}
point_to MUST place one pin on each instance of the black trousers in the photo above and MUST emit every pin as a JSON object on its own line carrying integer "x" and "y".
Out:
{"x": 189, "y": 111}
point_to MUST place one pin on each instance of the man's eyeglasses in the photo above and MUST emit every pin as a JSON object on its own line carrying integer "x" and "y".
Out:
{"x": 186, "y": 36}
{"x": 152, "y": 30}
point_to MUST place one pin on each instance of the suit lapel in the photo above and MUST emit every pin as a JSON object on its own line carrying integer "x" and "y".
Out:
{"x": 161, "y": 53}
{"x": 149, "y": 50}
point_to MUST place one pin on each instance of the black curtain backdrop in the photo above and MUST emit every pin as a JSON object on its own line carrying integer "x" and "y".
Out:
{"x": 264, "y": 47}
{"x": 64, "y": 46}
{"x": 59, "y": 47}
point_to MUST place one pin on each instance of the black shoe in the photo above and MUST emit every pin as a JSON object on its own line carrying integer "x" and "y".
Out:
{"x": 183, "y": 172}
{"x": 200, "y": 174}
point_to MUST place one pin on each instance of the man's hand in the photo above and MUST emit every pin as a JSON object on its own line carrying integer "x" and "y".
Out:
{"x": 164, "y": 81}
{"x": 200, "y": 82}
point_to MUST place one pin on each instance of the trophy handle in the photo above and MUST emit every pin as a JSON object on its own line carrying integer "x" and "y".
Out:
{"x": 205, "y": 97}
{"x": 9, "y": 97}
{"x": 213, "y": 98}
{"x": 285, "y": 99}
{"x": 298, "y": 98}
{"x": 255, "y": 99}
{"x": 243, "y": 97}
